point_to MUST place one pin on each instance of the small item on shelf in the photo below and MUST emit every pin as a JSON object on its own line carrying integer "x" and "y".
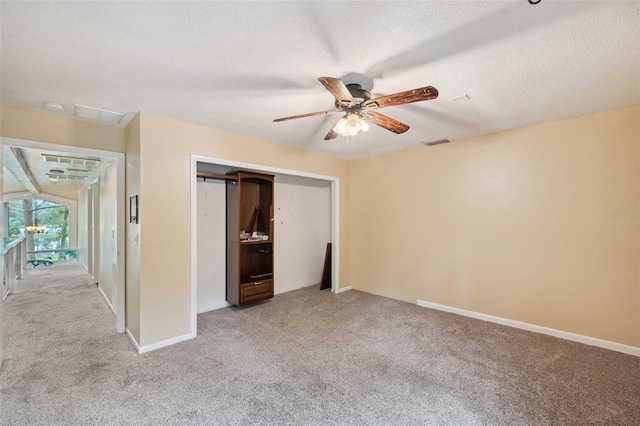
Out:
{"x": 256, "y": 236}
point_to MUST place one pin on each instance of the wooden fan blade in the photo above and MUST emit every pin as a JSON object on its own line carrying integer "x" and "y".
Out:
{"x": 415, "y": 95}
{"x": 388, "y": 123}
{"x": 311, "y": 114}
{"x": 338, "y": 90}
{"x": 330, "y": 135}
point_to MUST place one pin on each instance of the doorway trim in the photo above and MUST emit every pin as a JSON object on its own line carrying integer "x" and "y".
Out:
{"x": 120, "y": 195}
{"x": 335, "y": 221}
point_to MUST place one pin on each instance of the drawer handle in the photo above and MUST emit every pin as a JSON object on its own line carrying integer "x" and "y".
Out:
{"x": 259, "y": 282}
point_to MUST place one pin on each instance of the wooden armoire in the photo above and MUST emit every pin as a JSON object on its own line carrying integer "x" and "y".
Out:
{"x": 249, "y": 238}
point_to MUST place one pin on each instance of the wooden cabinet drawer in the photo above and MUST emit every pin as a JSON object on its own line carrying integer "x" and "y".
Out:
{"x": 257, "y": 290}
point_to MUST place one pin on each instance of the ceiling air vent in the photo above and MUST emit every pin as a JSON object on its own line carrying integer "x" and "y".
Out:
{"x": 438, "y": 142}
{"x": 91, "y": 162}
{"x": 67, "y": 177}
{"x": 99, "y": 115}
{"x": 463, "y": 98}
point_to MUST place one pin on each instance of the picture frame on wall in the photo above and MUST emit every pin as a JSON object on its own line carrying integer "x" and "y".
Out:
{"x": 133, "y": 209}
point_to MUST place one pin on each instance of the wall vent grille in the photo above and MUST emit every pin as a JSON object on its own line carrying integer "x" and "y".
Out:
{"x": 438, "y": 142}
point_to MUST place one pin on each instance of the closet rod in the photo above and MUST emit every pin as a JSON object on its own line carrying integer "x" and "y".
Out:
{"x": 206, "y": 176}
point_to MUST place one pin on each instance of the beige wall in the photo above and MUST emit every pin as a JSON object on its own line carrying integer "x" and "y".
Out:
{"x": 83, "y": 225}
{"x": 132, "y": 273}
{"x": 97, "y": 227}
{"x": 107, "y": 249}
{"x": 165, "y": 149}
{"x": 59, "y": 129}
{"x": 512, "y": 224}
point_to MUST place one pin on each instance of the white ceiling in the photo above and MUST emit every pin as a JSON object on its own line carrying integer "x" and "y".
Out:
{"x": 71, "y": 177}
{"x": 238, "y": 65}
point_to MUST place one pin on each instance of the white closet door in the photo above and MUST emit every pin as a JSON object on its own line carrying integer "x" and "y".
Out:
{"x": 302, "y": 231}
{"x": 211, "y": 236}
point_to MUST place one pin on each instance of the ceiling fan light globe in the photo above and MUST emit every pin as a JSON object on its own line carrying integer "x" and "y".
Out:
{"x": 353, "y": 119}
{"x": 341, "y": 127}
{"x": 364, "y": 125}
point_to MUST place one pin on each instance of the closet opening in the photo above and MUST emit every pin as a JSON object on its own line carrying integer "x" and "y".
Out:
{"x": 305, "y": 220}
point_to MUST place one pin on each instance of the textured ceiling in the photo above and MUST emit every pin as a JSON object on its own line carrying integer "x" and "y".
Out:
{"x": 238, "y": 65}
{"x": 40, "y": 169}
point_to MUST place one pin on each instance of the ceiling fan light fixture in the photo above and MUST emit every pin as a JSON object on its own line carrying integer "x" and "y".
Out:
{"x": 351, "y": 124}
{"x": 341, "y": 127}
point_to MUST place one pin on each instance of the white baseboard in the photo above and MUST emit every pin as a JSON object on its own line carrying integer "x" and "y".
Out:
{"x": 343, "y": 289}
{"x": 162, "y": 344}
{"x": 618, "y": 347}
{"x": 133, "y": 340}
{"x": 107, "y": 300}
{"x": 214, "y": 307}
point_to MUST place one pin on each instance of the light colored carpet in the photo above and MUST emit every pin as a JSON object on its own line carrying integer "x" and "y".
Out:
{"x": 304, "y": 358}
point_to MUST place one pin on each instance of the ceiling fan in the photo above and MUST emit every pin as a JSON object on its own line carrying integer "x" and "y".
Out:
{"x": 358, "y": 108}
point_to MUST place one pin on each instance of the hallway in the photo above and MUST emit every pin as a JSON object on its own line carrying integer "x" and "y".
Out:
{"x": 61, "y": 348}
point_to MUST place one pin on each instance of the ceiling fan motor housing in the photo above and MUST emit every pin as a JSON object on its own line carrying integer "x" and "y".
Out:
{"x": 358, "y": 93}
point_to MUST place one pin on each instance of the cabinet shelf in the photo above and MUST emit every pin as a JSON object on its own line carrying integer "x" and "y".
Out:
{"x": 246, "y": 243}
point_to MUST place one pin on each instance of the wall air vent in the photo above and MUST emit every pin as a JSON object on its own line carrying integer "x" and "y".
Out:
{"x": 438, "y": 142}
{"x": 463, "y": 98}
{"x": 99, "y": 115}
{"x": 78, "y": 161}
